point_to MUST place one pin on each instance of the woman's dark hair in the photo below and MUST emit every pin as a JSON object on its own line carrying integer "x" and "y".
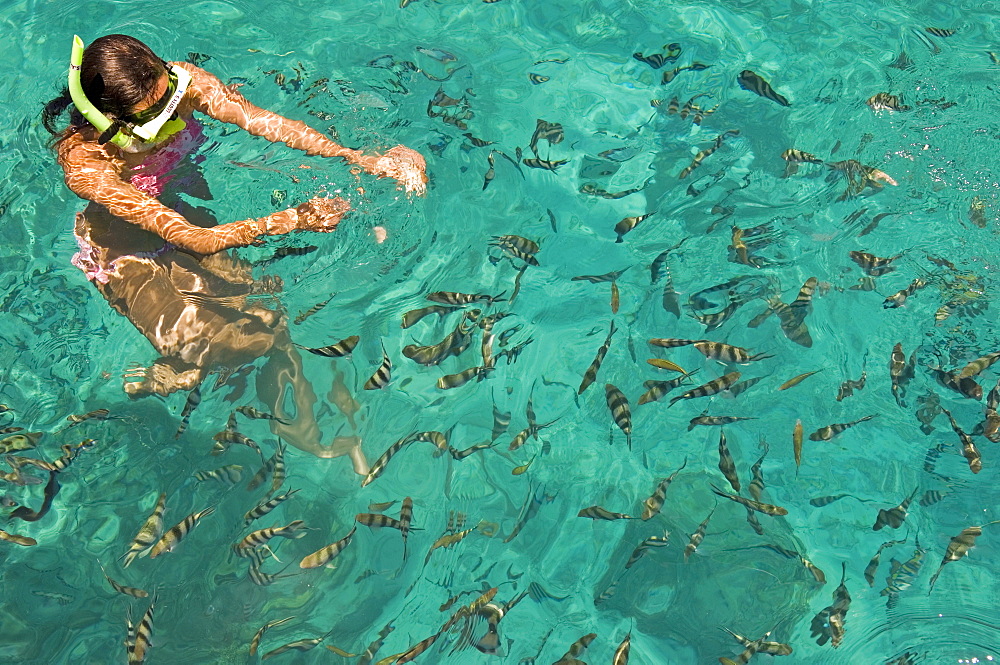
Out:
{"x": 117, "y": 74}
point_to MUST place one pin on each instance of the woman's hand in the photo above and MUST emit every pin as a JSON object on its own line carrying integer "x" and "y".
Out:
{"x": 321, "y": 214}
{"x": 403, "y": 164}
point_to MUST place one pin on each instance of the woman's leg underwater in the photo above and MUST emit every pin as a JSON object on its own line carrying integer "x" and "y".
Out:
{"x": 283, "y": 372}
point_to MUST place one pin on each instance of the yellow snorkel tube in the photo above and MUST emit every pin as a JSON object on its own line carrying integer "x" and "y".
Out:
{"x": 89, "y": 111}
{"x": 129, "y": 138}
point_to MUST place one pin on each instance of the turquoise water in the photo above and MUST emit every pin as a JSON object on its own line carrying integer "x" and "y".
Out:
{"x": 64, "y": 350}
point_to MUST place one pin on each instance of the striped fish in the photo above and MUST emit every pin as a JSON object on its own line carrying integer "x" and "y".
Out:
{"x": 657, "y": 389}
{"x": 757, "y": 85}
{"x": 657, "y": 60}
{"x": 379, "y": 465}
{"x": 900, "y": 372}
{"x": 821, "y": 501}
{"x": 645, "y": 546}
{"x": 544, "y": 164}
{"x": 652, "y": 505}
{"x": 726, "y": 352}
{"x": 793, "y": 155}
{"x": 149, "y": 532}
{"x": 340, "y": 349}
{"x": 697, "y": 537}
{"x": 519, "y": 243}
{"x": 227, "y": 475}
{"x": 265, "y": 507}
{"x": 175, "y": 534}
{"x": 940, "y": 32}
{"x": 139, "y": 640}
{"x": 284, "y": 252}
{"x": 96, "y": 414}
{"x": 902, "y": 575}
{"x": 873, "y": 266}
{"x": 501, "y": 421}
{"x": 931, "y": 497}
{"x": 299, "y": 645}
{"x": 266, "y": 468}
{"x": 126, "y": 590}
{"x": 453, "y": 298}
{"x": 707, "y": 152}
{"x": 261, "y": 537}
{"x": 449, "y": 381}
{"x": 415, "y": 315}
{"x": 517, "y": 247}
{"x": 255, "y": 642}
{"x": 591, "y": 374}
{"x": 754, "y": 522}
{"x": 711, "y": 388}
{"x": 552, "y": 132}
{"x": 227, "y": 437}
{"x": 830, "y": 431}
{"x": 462, "y": 454}
{"x": 629, "y": 223}
{"x": 848, "y": 387}
{"x": 597, "y": 279}
{"x": 302, "y": 316}
{"x": 620, "y": 412}
{"x": 714, "y": 421}
{"x": 193, "y": 400}
{"x": 958, "y": 547}
{"x": 259, "y": 577}
{"x": 893, "y": 517}
{"x": 418, "y": 648}
{"x": 323, "y": 555}
{"x": 599, "y": 513}
{"x": 529, "y": 431}
{"x": 872, "y": 566}
{"x": 438, "y": 439}
{"x": 380, "y": 379}
{"x": 449, "y": 539}
{"x": 253, "y": 413}
{"x": 726, "y": 464}
{"x": 765, "y": 508}
{"x": 377, "y": 521}
{"x": 278, "y": 469}
{"x": 405, "y": 517}
{"x": 740, "y": 387}
{"x": 576, "y": 649}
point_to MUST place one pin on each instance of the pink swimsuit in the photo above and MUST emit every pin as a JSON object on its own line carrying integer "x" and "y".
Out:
{"x": 149, "y": 177}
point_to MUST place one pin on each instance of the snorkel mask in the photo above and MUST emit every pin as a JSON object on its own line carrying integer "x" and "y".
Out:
{"x": 139, "y": 132}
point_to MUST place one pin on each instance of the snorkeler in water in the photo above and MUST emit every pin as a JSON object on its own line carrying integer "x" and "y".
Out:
{"x": 159, "y": 260}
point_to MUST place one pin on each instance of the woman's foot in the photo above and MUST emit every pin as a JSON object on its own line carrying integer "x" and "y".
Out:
{"x": 163, "y": 377}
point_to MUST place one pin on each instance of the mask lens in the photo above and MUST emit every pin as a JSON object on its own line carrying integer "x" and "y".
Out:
{"x": 142, "y": 117}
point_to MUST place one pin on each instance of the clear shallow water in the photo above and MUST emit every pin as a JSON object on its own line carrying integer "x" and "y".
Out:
{"x": 64, "y": 349}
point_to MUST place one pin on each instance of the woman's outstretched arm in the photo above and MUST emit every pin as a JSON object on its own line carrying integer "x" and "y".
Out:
{"x": 225, "y": 103}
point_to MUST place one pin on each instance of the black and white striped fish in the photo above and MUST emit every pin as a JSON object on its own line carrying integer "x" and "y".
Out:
{"x": 620, "y": 412}
{"x": 380, "y": 379}
{"x": 341, "y": 349}
{"x": 175, "y": 534}
{"x": 149, "y": 532}
{"x": 757, "y": 85}
{"x": 591, "y": 374}
{"x": 324, "y": 555}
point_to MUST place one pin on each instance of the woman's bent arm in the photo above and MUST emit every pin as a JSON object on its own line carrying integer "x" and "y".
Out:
{"x": 92, "y": 174}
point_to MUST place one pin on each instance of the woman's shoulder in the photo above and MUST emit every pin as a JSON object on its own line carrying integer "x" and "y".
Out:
{"x": 77, "y": 151}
